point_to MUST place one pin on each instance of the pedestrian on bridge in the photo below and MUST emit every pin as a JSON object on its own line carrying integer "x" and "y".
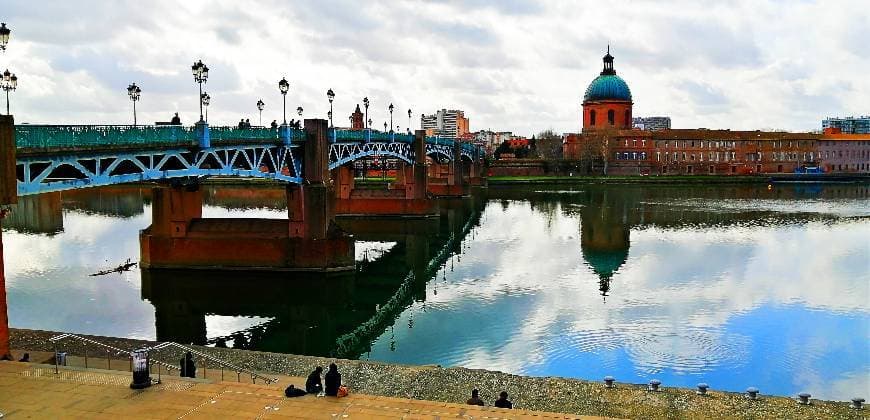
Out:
{"x": 274, "y": 124}
{"x": 176, "y": 120}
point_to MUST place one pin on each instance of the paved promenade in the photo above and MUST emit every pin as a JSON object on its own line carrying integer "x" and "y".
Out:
{"x": 35, "y": 391}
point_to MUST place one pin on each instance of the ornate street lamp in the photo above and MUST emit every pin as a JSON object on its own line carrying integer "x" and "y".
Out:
{"x": 366, "y": 104}
{"x": 299, "y": 110}
{"x": 260, "y": 106}
{"x": 330, "y": 95}
{"x": 385, "y": 126}
{"x": 284, "y": 87}
{"x": 134, "y": 91}
{"x": 370, "y": 122}
{"x": 4, "y": 36}
{"x": 204, "y": 101}
{"x": 200, "y": 75}
{"x": 391, "y": 116}
{"x": 9, "y": 81}
{"x": 409, "y": 120}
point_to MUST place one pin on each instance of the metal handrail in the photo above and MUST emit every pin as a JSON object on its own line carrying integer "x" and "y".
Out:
{"x": 221, "y": 363}
{"x": 254, "y": 376}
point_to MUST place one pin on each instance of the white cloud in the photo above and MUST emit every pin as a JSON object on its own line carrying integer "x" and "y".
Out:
{"x": 512, "y": 65}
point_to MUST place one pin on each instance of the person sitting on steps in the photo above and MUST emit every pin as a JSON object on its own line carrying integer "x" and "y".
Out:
{"x": 503, "y": 401}
{"x": 313, "y": 385}
{"x": 333, "y": 380}
{"x": 475, "y": 398}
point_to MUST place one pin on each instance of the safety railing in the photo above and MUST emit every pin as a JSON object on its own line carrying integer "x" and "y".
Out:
{"x": 154, "y": 361}
{"x": 205, "y": 358}
{"x": 89, "y": 136}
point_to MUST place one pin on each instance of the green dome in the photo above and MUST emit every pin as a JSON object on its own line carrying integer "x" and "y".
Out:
{"x": 607, "y": 87}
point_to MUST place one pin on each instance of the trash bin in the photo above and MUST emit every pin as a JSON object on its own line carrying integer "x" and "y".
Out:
{"x": 141, "y": 369}
{"x": 60, "y": 358}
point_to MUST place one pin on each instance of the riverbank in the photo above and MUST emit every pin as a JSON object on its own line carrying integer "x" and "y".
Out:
{"x": 672, "y": 179}
{"x": 552, "y": 394}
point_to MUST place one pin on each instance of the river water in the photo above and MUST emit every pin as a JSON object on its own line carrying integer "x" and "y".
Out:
{"x": 735, "y": 286}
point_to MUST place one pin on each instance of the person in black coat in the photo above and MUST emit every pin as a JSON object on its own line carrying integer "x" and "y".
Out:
{"x": 333, "y": 380}
{"x": 314, "y": 385}
{"x": 503, "y": 401}
{"x": 292, "y": 391}
{"x": 188, "y": 366}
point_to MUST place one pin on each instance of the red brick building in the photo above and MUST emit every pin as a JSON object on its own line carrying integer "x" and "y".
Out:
{"x": 844, "y": 153}
{"x": 356, "y": 119}
{"x": 609, "y": 145}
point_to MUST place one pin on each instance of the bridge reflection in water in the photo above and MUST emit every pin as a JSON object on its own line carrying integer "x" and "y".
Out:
{"x": 314, "y": 313}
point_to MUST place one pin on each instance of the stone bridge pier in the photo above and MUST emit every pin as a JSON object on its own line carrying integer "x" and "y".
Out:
{"x": 179, "y": 237}
{"x": 406, "y": 197}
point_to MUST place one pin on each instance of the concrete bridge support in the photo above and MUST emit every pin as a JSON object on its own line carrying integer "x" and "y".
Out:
{"x": 407, "y": 197}
{"x": 8, "y": 195}
{"x": 180, "y": 238}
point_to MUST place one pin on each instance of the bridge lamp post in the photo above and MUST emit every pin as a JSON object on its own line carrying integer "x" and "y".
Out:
{"x": 331, "y": 96}
{"x": 284, "y": 87}
{"x": 391, "y": 117}
{"x": 134, "y": 91}
{"x": 260, "y": 106}
{"x": 366, "y": 105}
{"x": 9, "y": 81}
{"x": 200, "y": 75}
{"x": 299, "y": 110}
{"x": 409, "y": 120}
{"x": 385, "y": 126}
{"x": 4, "y": 36}
{"x": 204, "y": 101}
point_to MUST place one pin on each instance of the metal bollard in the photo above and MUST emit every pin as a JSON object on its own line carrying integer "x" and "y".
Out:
{"x": 857, "y": 403}
{"x": 654, "y": 385}
{"x": 752, "y": 393}
{"x": 702, "y": 388}
{"x": 804, "y": 398}
{"x": 608, "y": 381}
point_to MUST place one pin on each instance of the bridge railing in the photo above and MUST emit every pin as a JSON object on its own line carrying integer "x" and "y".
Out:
{"x": 223, "y": 135}
{"x": 85, "y": 136}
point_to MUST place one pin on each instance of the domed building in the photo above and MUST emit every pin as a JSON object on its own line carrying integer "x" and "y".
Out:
{"x": 607, "y": 101}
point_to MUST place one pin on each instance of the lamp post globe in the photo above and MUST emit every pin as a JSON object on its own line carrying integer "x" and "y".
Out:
{"x": 366, "y": 105}
{"x": 8, "y": 82}
{"x": 299, "y": 110}
{"x": 331, "y": 96}
{"x": 284, "y": 87}
{"x": 133, "y": 92}
{"x": 260, "y": 106}
{"x": 391, "y": 116}
{"x": 385, "y": 126}
{"x": 200, "y": 76}
{"x": 4, "y": 36}
{"x": 409, "y": 120}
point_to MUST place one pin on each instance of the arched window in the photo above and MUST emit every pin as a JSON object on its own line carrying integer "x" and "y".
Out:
{"x": 611, "y": 116}
{"x": 628, "y": 118}
{"x": 592, "y": 117}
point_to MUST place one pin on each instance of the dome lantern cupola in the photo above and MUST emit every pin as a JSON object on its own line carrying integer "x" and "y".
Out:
{"x": 608, "y": 64}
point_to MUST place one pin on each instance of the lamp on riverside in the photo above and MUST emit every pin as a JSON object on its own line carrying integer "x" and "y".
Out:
{"x": 330, "y": 95}
{"x": 366, "y": 105}
{"x": 260, "y": 106}
{"x": 133, "y": 92}
{"x": 204, "y": 101}
{"x": 409, "y": 120}
{"x": 385, "y": 126}
{"x": 200, "y": 75}
{"x": 391, "y": 117}
{"x": 8, "y": 82}
{"x": 4, "y": 36}
{"x": 284, "y": 87}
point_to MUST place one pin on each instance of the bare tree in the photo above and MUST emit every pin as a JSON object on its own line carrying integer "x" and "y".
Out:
{"x": 548, "y": 145}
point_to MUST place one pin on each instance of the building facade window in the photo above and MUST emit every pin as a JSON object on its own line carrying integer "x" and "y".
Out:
{"x": 611, "y": 117}
{"x": 592, "y": 117}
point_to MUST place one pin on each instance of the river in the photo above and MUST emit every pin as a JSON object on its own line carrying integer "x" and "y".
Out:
{"x": 736, "y": 286}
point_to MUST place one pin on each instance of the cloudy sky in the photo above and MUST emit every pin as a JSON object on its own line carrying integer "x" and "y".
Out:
{"x": 519, "y": 65}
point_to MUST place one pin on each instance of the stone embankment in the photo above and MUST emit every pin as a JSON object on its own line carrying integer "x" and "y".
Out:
{"x": 534, "y": 393}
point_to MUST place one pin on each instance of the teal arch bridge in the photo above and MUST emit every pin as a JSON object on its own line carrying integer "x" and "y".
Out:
{"x": 62, "y": 157}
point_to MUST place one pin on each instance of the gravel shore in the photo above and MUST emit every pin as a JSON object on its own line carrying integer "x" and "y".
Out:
{"x": 535, "y": 393}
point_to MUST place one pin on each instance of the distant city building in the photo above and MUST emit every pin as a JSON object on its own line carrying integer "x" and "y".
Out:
{"x": 840, "y": 152}
{"x": 356, "y": 119}
{"x": 447, "y": 123}
{"x": 651, "y": 123}
{"x": 848, "y": 125}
